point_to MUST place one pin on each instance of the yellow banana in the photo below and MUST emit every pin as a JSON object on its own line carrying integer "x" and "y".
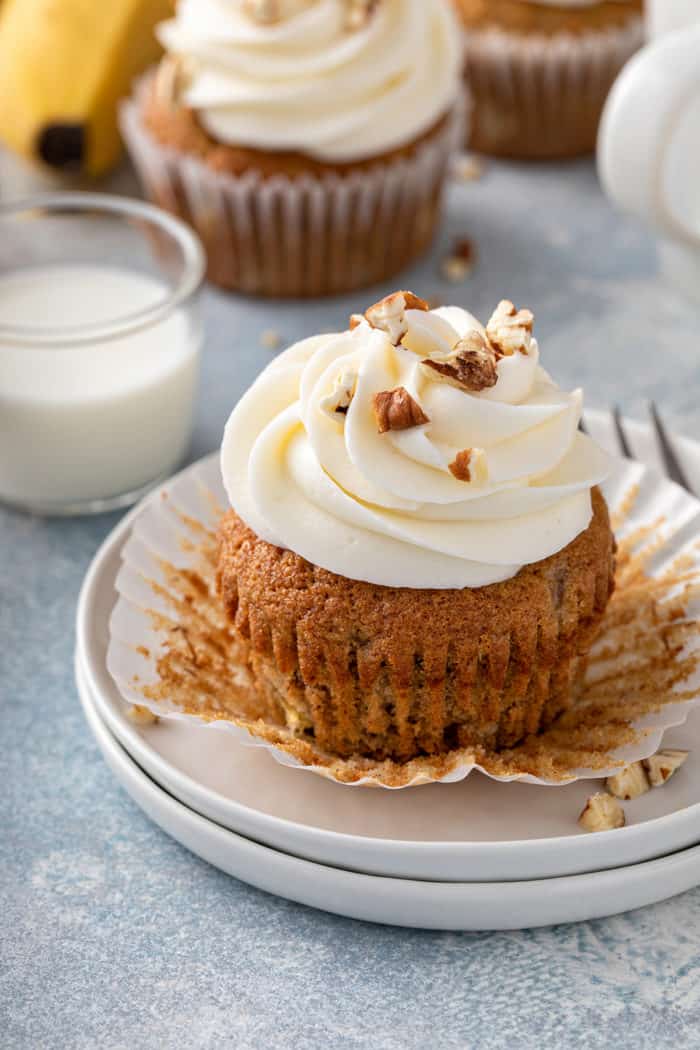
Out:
{"x": 64, "y": 65}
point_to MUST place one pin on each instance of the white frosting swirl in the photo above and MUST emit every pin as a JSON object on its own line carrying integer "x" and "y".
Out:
{"x": 385, "y": 508}
{"x": 308, "y": 83}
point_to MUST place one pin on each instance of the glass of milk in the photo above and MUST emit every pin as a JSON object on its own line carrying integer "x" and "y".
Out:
{"x": 100, "y": 337}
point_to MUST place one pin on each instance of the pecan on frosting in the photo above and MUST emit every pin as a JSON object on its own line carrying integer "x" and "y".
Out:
{"x": 397, "y": 410}
{"x": 470, "y": 365}
{"x": 340, "y": 398}
{"x": 470, "y": 465}
{"x": 509, "y": 329}
{"x": 389, "y": 314}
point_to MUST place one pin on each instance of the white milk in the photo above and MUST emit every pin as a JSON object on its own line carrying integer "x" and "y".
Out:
{"x": 91, "y": 422}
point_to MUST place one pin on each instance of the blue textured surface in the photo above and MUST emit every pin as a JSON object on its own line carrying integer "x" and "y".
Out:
{"x": 113, "y": 936}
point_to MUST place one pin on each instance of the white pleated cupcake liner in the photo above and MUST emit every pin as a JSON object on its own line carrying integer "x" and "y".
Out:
{"x": 171, "y": 524}
{"x": 300, "y": 236}
{"x": 539, "y": 87}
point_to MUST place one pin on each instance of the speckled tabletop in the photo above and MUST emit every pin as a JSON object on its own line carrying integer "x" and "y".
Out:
{"x": 113, "y": 936}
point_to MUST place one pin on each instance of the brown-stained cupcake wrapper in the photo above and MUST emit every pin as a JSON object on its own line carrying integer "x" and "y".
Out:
{"x": 172, "y": 649}
{"x": 542, "y": 96}
{"x": 302, "y": 236}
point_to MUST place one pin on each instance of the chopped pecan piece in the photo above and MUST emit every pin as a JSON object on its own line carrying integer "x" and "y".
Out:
{"x": 470, "y": 365}
{"x": 629, "y": 783}
{"x": 389, "y": 314}
{"x": 602, "y": 812}
{"x": 661, "y": 766}
{"x": 141, "y": 716}
{"x": 456, "y": 270}
{"x": 470, "y": 465}
{"x": 338, "y": 401}
{"x": 510, "y": 330}
{"x": 459, "y": 264}
{"x": 397, "y": 410}
{"x": 355, "y": 321}
{"x": 467, "y": 168}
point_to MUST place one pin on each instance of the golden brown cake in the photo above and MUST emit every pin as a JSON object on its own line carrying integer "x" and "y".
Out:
{"x": 392, "y": 672}
{"x": 540, "y": 72}
{"x": 308, "y": 175}
{"x": 395, "y": 591}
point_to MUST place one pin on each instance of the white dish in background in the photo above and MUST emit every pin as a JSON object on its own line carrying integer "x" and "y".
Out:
{"x": 399, "y": 902}
{"x": 473, "y": 830}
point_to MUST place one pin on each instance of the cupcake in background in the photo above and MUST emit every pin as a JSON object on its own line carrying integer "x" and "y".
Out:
{"x": 540, "y": 70}
{"x": 307, "y": 141}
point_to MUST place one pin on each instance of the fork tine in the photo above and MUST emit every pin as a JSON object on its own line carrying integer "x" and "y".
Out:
{"x": 621, "y": 435}
{"x": 668, "y": 453}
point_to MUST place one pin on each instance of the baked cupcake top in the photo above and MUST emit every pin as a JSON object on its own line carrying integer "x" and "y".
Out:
{"x": 417, "y": 449}
{"x": 549, "y": 16}
{"x": 338, "y": 80}
{"x": 574, "y": 3}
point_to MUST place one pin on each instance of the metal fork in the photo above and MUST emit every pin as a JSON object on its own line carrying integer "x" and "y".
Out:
{"x": 670, "y": 459}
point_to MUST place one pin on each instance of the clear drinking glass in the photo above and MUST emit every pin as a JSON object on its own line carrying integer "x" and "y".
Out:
{"x": 100, "y": 340}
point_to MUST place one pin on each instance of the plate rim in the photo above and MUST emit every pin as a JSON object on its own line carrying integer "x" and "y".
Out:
{"x": 562, "y": 892}
{"x": 465, "y": 850}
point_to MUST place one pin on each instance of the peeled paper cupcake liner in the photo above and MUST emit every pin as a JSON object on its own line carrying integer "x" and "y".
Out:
{"x": 171, "y": 647}
{"x": 304, "y": 236}
{"x": 542, "y": 96}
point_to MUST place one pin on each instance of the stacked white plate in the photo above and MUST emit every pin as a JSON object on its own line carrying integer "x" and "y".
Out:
{"x": 473, "y": 855}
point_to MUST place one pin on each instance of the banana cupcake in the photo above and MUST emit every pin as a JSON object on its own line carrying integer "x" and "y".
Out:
{"x": 307, "y": 141}
{"x": 418, "y": 556}
{"x": 540, "y": 70}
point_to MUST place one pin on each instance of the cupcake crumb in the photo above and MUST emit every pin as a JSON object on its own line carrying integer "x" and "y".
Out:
{"x": 141, "y": 716}
{"x": 270, "y": 339}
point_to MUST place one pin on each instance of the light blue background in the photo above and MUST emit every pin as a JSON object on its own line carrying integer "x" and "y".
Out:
{"x": 113, "y": 936}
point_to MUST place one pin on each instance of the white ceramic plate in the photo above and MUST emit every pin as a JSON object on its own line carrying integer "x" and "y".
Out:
{"x": 160, "y": 534}
{"x": 399, "y": 902}
{"x": 473, "y": 830}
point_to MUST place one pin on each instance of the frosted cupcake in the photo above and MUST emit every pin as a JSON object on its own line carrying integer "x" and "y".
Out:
{"x": 307, "y": 141}
{"x": 418, "y": 557}
{"x": 540, "y": 70}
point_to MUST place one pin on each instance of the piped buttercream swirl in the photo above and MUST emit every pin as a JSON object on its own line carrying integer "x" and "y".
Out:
{"x": 312, "y": 83}
{"x": 390, "y": 507}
